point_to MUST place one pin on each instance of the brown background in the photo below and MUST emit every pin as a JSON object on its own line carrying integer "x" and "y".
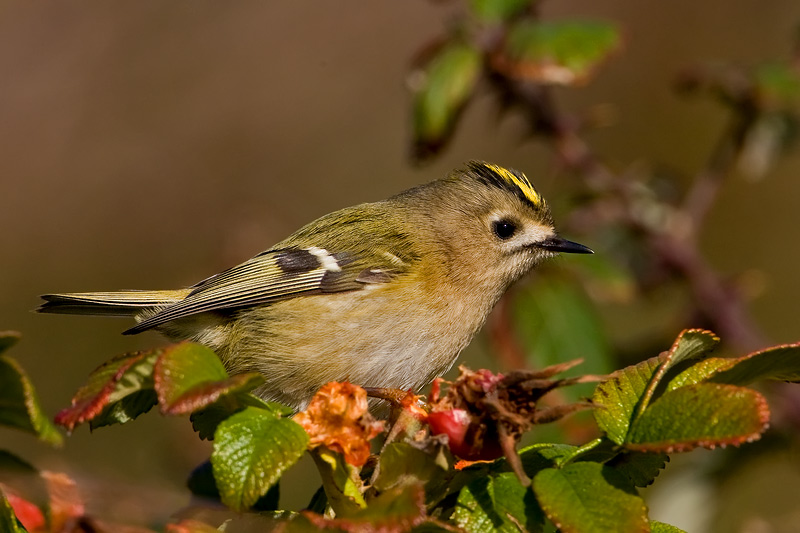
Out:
{"x": 150, "y": 144}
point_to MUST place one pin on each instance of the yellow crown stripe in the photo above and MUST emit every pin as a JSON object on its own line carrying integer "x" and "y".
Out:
{"x": 519, "y": 181}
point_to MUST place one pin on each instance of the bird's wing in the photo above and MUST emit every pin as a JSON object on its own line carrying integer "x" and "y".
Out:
{"x": 275, "y": 275}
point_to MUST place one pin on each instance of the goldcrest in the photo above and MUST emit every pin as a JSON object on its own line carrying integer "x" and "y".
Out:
{"x": 382, "y": 294}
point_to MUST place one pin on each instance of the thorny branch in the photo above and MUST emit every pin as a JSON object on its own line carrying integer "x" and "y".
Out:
{"x": 672, "y": 239}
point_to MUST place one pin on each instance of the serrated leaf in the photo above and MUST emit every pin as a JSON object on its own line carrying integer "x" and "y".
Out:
{"x": 617, "y": 399}
{"x": 706, "y": 414}
{"x": 543, "y": 455}
{"x": 641, "y": 468}
{"x": 204, "y": 394}
{"x": 661, "y": 527}
{"x": 19, "y": 404}
{"x": 403, "y": 464}
{"x": 8, "y": 519}
{"x": 251, "y": 451}
{"x": 778, "y": 363}
{"x": 622, "y": 399}
{"x": 562, "y": 52}
{"x": 547, "y": 315}
{"x": 691, "y": 345}
{"x": 201, "y": 483}
{"x": 498, "y": 10}
{"x": 8, "y": 339}
{"x": 699, "y": 372}
{"x": 190, "y": 376}
{"x": 497, "y": 503}
{"x": 588, "y": 497}
{"x": 443, "y": 87}
{"x": 126, "y": 409}
{"x": 112, "y": 382}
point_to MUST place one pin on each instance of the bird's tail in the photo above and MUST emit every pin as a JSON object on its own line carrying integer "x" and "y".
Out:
{"x": 122, "y": 303}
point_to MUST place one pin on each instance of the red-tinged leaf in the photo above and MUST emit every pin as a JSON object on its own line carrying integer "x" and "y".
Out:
{"x": 111, "y": 382}
{"x": 66, "y": 505}
{"x": 587, "y": 497}
{"x": 561, "y": 52}
{"x": 20, "y": 403}
{"x": 204, "y": 394}
{"x": 700, "y": 372}
{"x": 691, "y": 345}
{"x": 706, "y": 415}
{"x": 29, "y": 515}
{"x": 641, "y": 468}
{"x": 181, "y": 368}
{"x": 778, "y": 363}
{"x": 8, "y": 339}
{"x": 623, "y": 398}
{"x": 617, "y": 398}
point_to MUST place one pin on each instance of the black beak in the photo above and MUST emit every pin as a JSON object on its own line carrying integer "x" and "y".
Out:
{"x": 557, "y": 244}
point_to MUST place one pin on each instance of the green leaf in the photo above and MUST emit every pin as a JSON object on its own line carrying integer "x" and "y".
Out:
{"x": 661, "y": 527}
{"x": 189, "y": 377}
{"x": 112, "y": 382}
{"x": 641, "y": 468}
{"x": 403, "y": 464}
{"x": 126, "y": 409}
{"x": 19, "y": 404}
{"x": 690, "y": 346}
{"x": 779, "y": 363}
{"x": 10, "y": 463}
{"x": 498, "y": 503}
{"x": 340, "y": 481}
{"x": 252, "y": 449}
{"x": 543, "y": 455}
{"x": 699, "y": 372}
{"x": 442, "y": 88}
{"x": 396, "y": 510}
{"x": 547, "y": 315}
{"x": 8, "y": 520}
{"x": 205, "y": 421}
{"x": 588, "y": 497}
{"x": 707, "y": 415}
{"x": 201, "y": 483}
{"x": 562, "y": 52}
{"x": 617, "y": 398}
{"x": 498, "y": 10}
{"x": 621, "y": 400}
{"x": 205, "y": 394}
{"x": 777, "y": 85}
{"x": 8, "y": 339}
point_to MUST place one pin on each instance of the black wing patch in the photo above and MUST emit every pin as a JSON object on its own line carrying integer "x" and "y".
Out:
{"x": 267, "y": 277}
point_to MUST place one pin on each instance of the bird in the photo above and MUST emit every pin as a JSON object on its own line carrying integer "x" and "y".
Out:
{"x": 383, "y": 295}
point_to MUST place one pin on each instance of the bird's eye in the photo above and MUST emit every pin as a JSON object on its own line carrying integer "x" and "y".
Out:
{"x": 504, "y": 229}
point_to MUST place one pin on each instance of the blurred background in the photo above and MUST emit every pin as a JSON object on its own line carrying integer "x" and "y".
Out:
{"x": 151, "y": 144}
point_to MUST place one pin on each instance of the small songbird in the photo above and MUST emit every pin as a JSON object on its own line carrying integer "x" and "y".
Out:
{"x": 382, "y": 294}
